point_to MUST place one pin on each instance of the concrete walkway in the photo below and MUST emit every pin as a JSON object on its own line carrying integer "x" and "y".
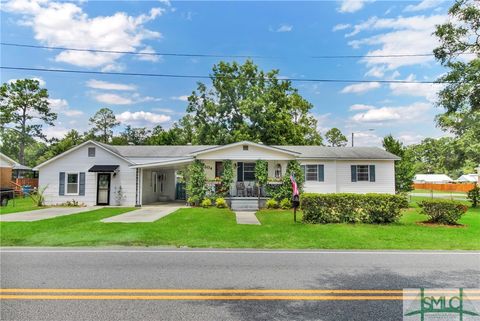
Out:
{"x": 43, "y": 214}
{"x": 144, "y": 215}
{"x": 247, "y": 218}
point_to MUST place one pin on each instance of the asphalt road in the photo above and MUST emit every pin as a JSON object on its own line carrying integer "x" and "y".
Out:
{"x": 167, "y": 284}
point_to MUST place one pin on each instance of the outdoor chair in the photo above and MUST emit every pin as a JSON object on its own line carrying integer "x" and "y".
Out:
{"x": 240, "y": 189}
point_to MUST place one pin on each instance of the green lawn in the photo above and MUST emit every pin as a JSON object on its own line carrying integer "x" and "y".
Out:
{"x": 213, "y": 227}
{"x": 438, "y": 192}
{"x": 20, "y": 204}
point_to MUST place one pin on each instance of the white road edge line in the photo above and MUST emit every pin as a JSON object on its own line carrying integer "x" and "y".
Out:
{"x": 2, "y": 251}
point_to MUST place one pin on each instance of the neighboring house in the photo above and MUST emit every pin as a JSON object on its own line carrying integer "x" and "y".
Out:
{"x": 432, "y": 179}
{"x": 6, "y": 168}
{"x": 468, "y": 178}
{"x": 93, "y": 172}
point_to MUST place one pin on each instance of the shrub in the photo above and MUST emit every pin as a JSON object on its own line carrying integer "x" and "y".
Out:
{"x": 474, "y": 195}
{"x": 352, "y": 208}
{"x": 220, "y": 202}
{"x": 206, "y": 203}
{"x": 271, "y": 203}
{"x": 443, "y": 211}
{"x": 285, "y": 204}
{"x": 193, "y": 200}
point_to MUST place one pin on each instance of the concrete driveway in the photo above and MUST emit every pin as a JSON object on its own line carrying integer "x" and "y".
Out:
{"x": 43, "y": 214}
{"x": 145, "y": 214}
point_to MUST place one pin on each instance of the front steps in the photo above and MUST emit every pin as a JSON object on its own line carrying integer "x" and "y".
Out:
{"x": 249, "y": 204}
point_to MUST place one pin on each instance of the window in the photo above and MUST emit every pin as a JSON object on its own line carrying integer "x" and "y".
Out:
{"x": 249, "y": 171}
{"x": 218, "y": 169}
{"x": 311, "y": 172}
{"x": 72, "y": 184}
{"x": 362, "y": 173}
{"x": 245, "y": 147}
{"x": 91, "y": 151}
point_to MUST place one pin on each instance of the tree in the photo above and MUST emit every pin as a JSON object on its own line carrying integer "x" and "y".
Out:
{"x": 245, "y": 103}
{"x": 460, "y": 36}
{"x": 24, "y": 109}
{"x": 135, "y": 136}
{"x": 261, "y": 176}
{"x": 196, "y": 182}
{"x": 285, "y": 190}
{"x": 103, "y": 122}
{"x": 71, "y": 139}
{"x": 335, "y": 138}
{"x": 404, "y": 168}
{"x": 227, "y": 178}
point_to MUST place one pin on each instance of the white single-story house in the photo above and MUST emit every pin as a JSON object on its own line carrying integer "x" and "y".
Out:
{"x": 432, "y": 179}
{"x": 94, "y": 173}
{"x": 468, "y": 178}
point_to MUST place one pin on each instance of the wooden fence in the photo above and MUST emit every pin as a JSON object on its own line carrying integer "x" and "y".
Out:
{"x": 463, "y": 187}
{"x": 33, "y": 182}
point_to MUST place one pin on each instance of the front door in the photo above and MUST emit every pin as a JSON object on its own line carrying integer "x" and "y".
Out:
{"x": 103, "y": 189}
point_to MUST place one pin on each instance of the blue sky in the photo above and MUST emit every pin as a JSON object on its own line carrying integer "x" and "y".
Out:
{"x": 291, "y": 32}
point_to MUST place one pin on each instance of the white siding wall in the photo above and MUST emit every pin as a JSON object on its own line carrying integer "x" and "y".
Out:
{"x": 338, "y": 178}
{"x": 384, "y": 178}
{"x": 78, "y": 161}
{"x": 329, "y": 185}
{"x": 149, "y": 196}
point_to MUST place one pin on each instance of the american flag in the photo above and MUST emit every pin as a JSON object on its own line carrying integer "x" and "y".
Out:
{"x": 294, "y": 184}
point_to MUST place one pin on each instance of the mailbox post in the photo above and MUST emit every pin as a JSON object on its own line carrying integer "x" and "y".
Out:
{"x": 295, "y": 204}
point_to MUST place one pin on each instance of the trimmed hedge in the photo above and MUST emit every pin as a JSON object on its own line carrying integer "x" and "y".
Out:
{"x": 352, "y": 208}
{"x": 443, "y": 211}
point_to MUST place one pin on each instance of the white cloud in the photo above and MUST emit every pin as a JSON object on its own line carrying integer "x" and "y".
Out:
{"x": 360, "y": 88}
{"x": 423, "y": 5}
{"x": 410, "y": 138}
{"x": 405, "y": 35}
{"x": 100, "y": 84}
{"x": 142, "y": 118}
{"x": 65, "y": 24}
{"x": 41, "y": 82}
{"x": 284, "y": 28}
{"x": 366, "y": 138}
{"x": 428, "y": 91}
{"x": 361, "y": 107}
{"x": 113, "y": 99}
{"x": 341, "y": 26}
{"x": 55, "y": 131}
{"x": 61, "y": 106}
{"x": 411, "y": 113}
{"x": 181, "y": 98}
{"x": 349, "y": 6}
{"x": 149, "y": 55}
{"x": 57, "y": 104}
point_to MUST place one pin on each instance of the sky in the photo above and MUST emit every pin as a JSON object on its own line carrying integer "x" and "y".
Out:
{"x": 283, "y": 35}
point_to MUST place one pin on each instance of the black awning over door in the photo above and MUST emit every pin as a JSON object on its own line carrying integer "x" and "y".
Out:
{"x": 103, "y": 168}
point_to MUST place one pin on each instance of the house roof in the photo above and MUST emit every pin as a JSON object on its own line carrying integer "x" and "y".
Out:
{"x": 432, "y": 178}
{"x": 147, "y": 154}
{"x": 342, "y": 152}
{"x": 8, "y": 159}
{"x": 468, "y": 178}
{"x": 144, "y": 152}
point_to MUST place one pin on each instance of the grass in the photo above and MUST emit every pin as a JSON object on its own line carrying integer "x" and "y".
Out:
{"x": 20, "y": 204}
{"x": 198, "y": 227}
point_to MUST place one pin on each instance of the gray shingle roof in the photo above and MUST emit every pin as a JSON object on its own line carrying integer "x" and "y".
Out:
{"x": 304, "y": 151}
{"x": 341, "y": 152}
{"x": 163, "y": 151}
